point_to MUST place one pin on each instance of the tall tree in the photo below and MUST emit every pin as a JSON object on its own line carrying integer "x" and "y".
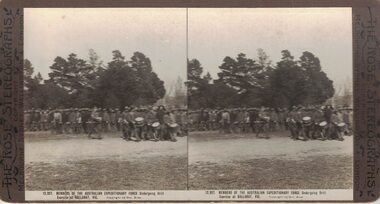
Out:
{"x": 194, "y": 76}
{"x": 198, "y": 86}
{"x": 300, "y": 82}
{"x": 70, "y": 74}
{"x": 151, "y": 87}
{"x": 246, "y": 76}
{"x": 129, "y": 82}
{"x": 32, "y": 85}
{"x": 28, "y": 73}
{"x": 288, "y": 83}
{"x": 241, "y": 74}
{"x": 319, "y": 86}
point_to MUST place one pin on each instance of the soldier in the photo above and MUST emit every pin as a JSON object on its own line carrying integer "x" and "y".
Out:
{"x": 119, "y": 119}
{"x": 246, "y": 126}
{"x": 306, "y": 124}
{"x": 44, "y": 120}
{"x": 140, "y": 124}
{"x": 78, "y": 122}
{"x": 130, "y": 117}
{"x": 65, "y": 121}
{"x": 57, "y": 121}
{"x": 50, "y": 119}
{"x": 233, "y": 120}
{"x": 292, "y": 121}
{"x": 86, "y": 116}
{"x": 152, "y": 124}
{"x": 113, "y": 120}
{"x": 317, "y": 119}
{"x": 219, "y": 120}
{"x": 226, "y": 121}
{"x": 240, "y": 120}
{"x": 212, "y": 120}
{"x": 281, "y": 119}
{"x": 125, "y": 124}
{"x": 327, "y": 113}
{"x": 274, "y": 120}
{"x": 338, "y": 127}
{"x": 95, "y": 124}
{"x": 106, "y": 120}
{"x": 161, "y": 111}
{"x": 72, "y": 117}
{"x": 170, "y": 127}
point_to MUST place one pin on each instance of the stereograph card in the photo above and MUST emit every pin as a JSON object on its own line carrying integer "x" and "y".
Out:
{"x": 189, "y": 101}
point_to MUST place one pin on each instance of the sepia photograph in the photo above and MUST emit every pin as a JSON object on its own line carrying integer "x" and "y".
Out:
{"x": 270, "y": 102}
{"x": 105, "y": 103}
{"x": 186, "y": 101}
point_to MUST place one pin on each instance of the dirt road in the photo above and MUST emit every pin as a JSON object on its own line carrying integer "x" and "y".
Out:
{"x": 242, "y": 161}
{"x": 58, "y": 162}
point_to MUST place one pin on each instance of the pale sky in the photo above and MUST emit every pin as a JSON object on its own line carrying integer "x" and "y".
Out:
{"x": 326, "y": 32}
{"x": 158, "y": 33}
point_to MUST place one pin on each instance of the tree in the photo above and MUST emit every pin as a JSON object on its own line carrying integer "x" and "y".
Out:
{"x": 126, "y": 83}
{"x": 300, "y": 82}
{"x": 28, "y": 72}
{"x": 31, "y": 85}
{"x": 70, "y": 74}
{"x": 246, "y": 76}
{"x": 198, "y": 87}
{"x": 150, "y": 86}
{"x": 94, "y": 61}
{"x": 50, "y": 95}
{"x": 263, "y": 60}
{"x": 194, "y": 76}
{"x": 76, "y": 76}
{"x": 319, "y": 86}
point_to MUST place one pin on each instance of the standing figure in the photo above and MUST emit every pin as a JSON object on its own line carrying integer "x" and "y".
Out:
{"x": 95, "y": 125}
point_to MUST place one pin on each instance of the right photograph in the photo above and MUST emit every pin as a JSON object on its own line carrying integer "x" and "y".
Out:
{"x": 270, "y": 103}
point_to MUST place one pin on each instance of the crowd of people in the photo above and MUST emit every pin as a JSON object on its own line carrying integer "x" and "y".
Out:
{"x": 134, "y": 123}
{"x": 158, "y": 123}
{"x": 322, "y": 122}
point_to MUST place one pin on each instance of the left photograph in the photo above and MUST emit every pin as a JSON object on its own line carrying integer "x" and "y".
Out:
{"x": 105, "y": 105}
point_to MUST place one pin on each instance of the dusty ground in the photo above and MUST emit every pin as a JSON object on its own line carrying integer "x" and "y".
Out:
{"x": 241, "y": 161}
{"x": 73, "y": 162}
{"x": 216, "y": 161}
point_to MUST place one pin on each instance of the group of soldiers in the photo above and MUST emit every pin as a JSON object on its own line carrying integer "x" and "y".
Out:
{"x": 312, "y": 122}
{"x": 157, "y": 123}
{"x": 134, "y": 123}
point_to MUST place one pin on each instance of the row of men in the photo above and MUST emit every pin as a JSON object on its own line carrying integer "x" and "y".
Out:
{"x": 137, "y": 123}
{"x": 264, "y": 120}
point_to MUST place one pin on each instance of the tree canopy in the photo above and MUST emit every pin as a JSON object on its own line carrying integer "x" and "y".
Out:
{"x": 86, "y": 83}
{"x": 248, "y": 82}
